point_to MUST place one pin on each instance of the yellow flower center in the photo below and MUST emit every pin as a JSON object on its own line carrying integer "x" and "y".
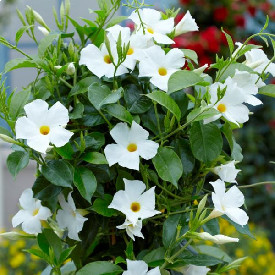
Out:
{"x": 130, "y": 51}
{"x": 162, "y": 71}
{"x": 150, "y": 30}
{"x": 35, "y": 212}
{"x": 135, "y": 206}
{"x": 222, "y": 108}
{"x": 44, "y": 130}
{"x": 132, "y": 147}
{"x": 107, "y": 59}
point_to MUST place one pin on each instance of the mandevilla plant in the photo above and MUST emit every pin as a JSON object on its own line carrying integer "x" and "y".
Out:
{"x": 128, "y": 137}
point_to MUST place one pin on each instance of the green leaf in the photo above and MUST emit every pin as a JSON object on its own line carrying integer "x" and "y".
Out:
{"x": 77, "y": 112}
{"x": 155, "y": 257}
{"x": 45, "y": 43}
{"x": 100, "y": 206}
{"x": 18, "y": 101}
{"x": 66, "y": 151}
{"x": 136, "y": 102}
{"x": 190, "y": 54}
{"x": 58, "y": 172}
{"x": 229, "y": 41}
{"x": 116, "y": 20}
{"x": 182, "y": 79}
{"x": 18, "y": 63}
{"x": 20, "y": 32}
{"x": 242, "y": 229}
{"x": 129, "y": 252}
{"x": 38, "y": 253}
{"x": 100, "y": 268}
{"x": 168, "y": 165}
{"x": 17, "y": 161}
{"x": 214, "y": 252}
{"x": 82, "y": 86}
{"x": 170, "y": 230}
{"x": 183, "y": 149}
{"x": 119, "y": 112}
{"x": 5, "y": 132}
{"x": 236, "y": 150}
{"x": 206, "y": 141}
{"x": 95, "y": 158}
{"x": 54, "y": 242}
{"x": 100, "y": 95}
{"x": 44, "y": 190}
{"x": 85, "y": 182}
{"x": 212, "y": 227}
{"x": 268, "y": 90}
{"x": 201, "y": 113}
{"x": 165, "y": 100}
{"x": 65, "y": 254}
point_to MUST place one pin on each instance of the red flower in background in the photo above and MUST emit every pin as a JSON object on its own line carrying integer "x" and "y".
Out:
{"x": 240, "y": 21}
{"x": 212, "y": 37}
{"x": 185, "y": 2}
{"x": 252, "y": 10}
{"x": 220, "y": 14}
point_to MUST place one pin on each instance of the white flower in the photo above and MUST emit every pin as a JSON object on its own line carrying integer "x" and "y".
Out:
{"x": 43, "y": 126}
{"x": 31, "y": 214}
{"x": 131, "y": 143}
{"x": 43, "y": 30}
{"x": 160, "y": 66}
{"x": 139, "y": 268}
{"x": 227, "y": 172}
{"x": 194, "y": 270}
{"x": 132, "y": 230}
{"x": 154, "y": 26}
{"x": 70, "y": 69}
{"x": 258, "y": 60}
{"x": 218, "y": 239}
{"x": 138, "y": 42}
{"x": 69, "y": 217}
{"x": 187, "y": 24}
{"x": 231, "y": 106}
{"x": 249, "y": 86}
{"x": 98, "y": 61}
{"x": 229, "y": 202}
{"x": 133, "y": 202}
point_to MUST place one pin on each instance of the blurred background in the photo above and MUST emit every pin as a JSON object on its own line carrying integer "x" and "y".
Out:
{"x": 240, "y": 18}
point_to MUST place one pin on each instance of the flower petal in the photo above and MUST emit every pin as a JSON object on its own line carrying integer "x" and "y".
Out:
{"x": 233, "y": 198}
{"x": 37, "y": 111}
{"x": 39, "y": 143}
{"x": 133, "y": 189}
{"x": 44, "y": 213}
{"x": 59, "y": 136}
{"x": 26, "y": 200}
{"x": 25, "y": 128}
{"x": 137, "y": 133}
{"x": 237, "y": 215}
{"x": 114, "y": 152}
{"x": 20, "y": 217}
{"x": 120, "y": 134}
{"x": 32, "y": 226}
{"x": 147, "y": 149}
{"x": 58, "y": 115}
{"x": 130, "y": 160}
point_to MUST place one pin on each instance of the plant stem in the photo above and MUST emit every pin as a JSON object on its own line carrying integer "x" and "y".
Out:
{"x": 256, "y": 184}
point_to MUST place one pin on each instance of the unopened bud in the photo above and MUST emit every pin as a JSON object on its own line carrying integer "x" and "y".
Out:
{"x": 70, "y": 69}
{"x": 8, "y": 139}
{"x": 57, "y": 67}
{"x": 43, "y": 30}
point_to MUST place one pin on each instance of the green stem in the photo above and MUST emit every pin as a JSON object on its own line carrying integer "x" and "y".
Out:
{"x": 158, "y": 122}
{"x": 256, "y": 184}
{"x": 170, "y": 260}
{"x": 168, "y": 192}
{"x": 105, "y": 118}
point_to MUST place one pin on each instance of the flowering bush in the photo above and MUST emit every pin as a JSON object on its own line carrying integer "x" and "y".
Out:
{"x": 125, "y": 140}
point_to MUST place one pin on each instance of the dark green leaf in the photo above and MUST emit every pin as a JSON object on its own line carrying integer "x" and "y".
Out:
{"x": 100, "y": 268}
{"x": 168, "y": 165}
{"x": 54, "y": 241}
{"x": 100, "y": 206}
{"x": 119, "y": 112}
{"x": 170, "y": 230}
{"x": 85, "y": 182}
{"x": 268, "y": 90}
{"x": 66, "y": 151}
{"x": 214, "y": 252}
{"x": 166, "y": 101}
{"x": 18, "y": 101}
{"x": 77, "y": 112}
{"x": 155, "y": 257}
{"x": 82, "y": 86}
{"x": 95, "y": 158}
{"x": 129, "y": 252}
{"x": 206, "y": 141}
{"x": 17, "y": 161}
{"x": 58, "y": 172}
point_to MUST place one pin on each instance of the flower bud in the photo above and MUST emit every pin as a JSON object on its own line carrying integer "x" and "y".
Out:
{"x": 70, "y": 69}
{"x": 8, "y": 139}
{"x": 43, "y": 30}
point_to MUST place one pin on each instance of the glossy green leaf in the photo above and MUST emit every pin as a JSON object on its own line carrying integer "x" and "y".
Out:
{"x": 82, "y": 86}
{"x": 85, "y": 182}
{"x": 17, "y": 161}
{"x": 18, "y": 101}
{"x": 100, "y": 206}
{"x": 168, "y": 165}
{"x": 46, "y": 42}
{"x": 95, "y": 158}
{"x": 119, "y": 112}
{"x": 165, "y": 100}
{"x": 58, "y": 172}
{"x": 268, "y": 90}
{"x": 206, "y": 141}
{"x": 100, "y": 95}
{"x": 20, "y": 63}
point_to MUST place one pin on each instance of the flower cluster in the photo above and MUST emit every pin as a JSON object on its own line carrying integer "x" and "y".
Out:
{"x": 144, "y": 127}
